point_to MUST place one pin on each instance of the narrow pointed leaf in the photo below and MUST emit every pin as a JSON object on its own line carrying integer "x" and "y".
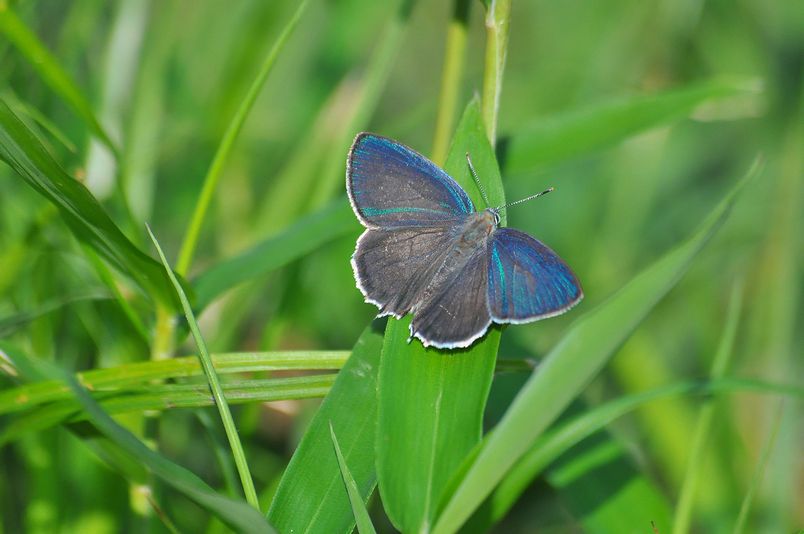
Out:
{"x": 24, "y": 153}
{"x": 48, "y": 68}
{"x": 362, "y": 518}
{"x": 237, "y": 514}
{"x": 311, "y": 496}
{"x": 566, "y": 135}
{"x": 304, "y": 236}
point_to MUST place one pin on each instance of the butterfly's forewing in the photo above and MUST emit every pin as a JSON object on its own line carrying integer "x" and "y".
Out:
{"x": 456, "y": 313}
{"x": 527, "y": 280}
{"x": 392, "y": 267}
{"x": 392, "y": 186}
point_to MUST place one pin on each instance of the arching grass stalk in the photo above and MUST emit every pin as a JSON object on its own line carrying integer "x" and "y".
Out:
{"x": 225, "y": 147}
{"x": 214, "y": 385}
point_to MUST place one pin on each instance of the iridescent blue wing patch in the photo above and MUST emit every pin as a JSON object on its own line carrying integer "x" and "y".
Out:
{"x": 393, "y": 186}
{"x": 527, "y": 280}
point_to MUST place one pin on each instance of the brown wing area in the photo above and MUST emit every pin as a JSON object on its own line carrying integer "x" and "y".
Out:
{"x": 456, "y": 312}
{"x": 393, "y": 267}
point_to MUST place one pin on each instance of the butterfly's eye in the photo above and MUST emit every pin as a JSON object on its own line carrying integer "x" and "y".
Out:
{"x": 496, "y": 217}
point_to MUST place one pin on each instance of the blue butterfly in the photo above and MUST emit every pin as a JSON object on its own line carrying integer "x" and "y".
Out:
{"x": 426, "y": 251}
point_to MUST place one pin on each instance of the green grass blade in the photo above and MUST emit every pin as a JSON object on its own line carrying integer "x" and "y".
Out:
{"x": 23, "y": 152}
{"x": 48, "y": 68}
{"x": 214, "y": 385}
{"x": 311, "y": 496}
{"x": 703, "y": 427}
{"x": 566, "y": 135}
{"x": 451, "y": 78}
{"x": 759, "y": 473}
{"x": 226, "y": 144}
{"x": 498, "y": 19}
{"x": 570, "y": 366}
{"x": 306, "y": 235}
{"x": 237, "y": 514}
{"x": 556, "y": 441}
{"x": 431, "y": 401}
{"x": 362, "y": 518}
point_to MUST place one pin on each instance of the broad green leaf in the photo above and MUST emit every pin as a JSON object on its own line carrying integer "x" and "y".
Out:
{"x": 48, "y": 68}
{"x": 236, "y": 514}
{"x": 311, "y": 496}
{"x": 571, "y": 365}
{"x": 431, "y": 401}
{"x": 566, "y": 135}
{"x": 362, "y": 518}
{"x": 304, "y": 236}
{"x": 23, "y": 152}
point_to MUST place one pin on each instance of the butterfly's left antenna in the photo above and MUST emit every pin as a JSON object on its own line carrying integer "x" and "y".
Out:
{"x": 477, "y": 180}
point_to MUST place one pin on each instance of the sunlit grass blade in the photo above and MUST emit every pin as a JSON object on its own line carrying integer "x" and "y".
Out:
{"x": 226, "y": 144}
{"x": 311, "y": 496}
{"x": 214, "y": 385}
{"x": 129, "y": 379}
{"x": 686, "y": 498}
{"x": 571, "y": 364}
{"x": 566, "y": 135}
{"x": 23, "y": 152}
{"x": 48, "y": 68}
{"x": 237, "y": 514}
{"x": 161, "y": 397}
{"x": 362, "y": 518}
{"x": 304, "y": 236}
{"x": 431, "y": 401}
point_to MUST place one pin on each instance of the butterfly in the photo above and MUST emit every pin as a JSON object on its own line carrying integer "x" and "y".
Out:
{"x": 428, "y": 252}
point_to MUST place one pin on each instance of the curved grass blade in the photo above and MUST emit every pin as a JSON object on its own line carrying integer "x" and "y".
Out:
{"x": 362, "y": 519}
{"x": 226, "y": 144}
{"x": 237, "y": 514}
{"x": 311, "y": 496}
{"x": 703, "y": 427}
{"x": 48, "y": 68}
{"x": 305, "y": 235}
{"x": 214, "y": 385}
{"x": 23, "y": 152}
{"x": 566, "y": 135}
{"x": 555, "y": 442}
{"x": 570, "y": 366}
{"x": 431, "y": 401}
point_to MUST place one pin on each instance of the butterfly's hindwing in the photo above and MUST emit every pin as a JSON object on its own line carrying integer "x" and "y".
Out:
{"x": 393, "y": 267}
{"x": 455, "y": 312}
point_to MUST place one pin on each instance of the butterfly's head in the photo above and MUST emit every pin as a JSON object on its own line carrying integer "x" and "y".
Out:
{"x": 495, "y": 212}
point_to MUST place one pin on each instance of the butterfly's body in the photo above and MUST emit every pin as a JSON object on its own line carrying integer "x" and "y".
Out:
{"x": 426, "y": 251}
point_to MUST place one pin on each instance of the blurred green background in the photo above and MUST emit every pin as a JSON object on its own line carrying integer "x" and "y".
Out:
{"x": 165, "y": 78}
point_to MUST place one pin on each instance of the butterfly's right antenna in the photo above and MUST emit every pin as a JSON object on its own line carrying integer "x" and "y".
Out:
{"x": 477, "y": 180}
